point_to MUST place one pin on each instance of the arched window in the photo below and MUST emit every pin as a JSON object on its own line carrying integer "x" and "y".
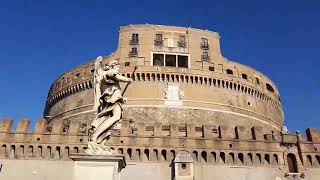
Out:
{"x": 146, "y": 154}
{"x": 129, "y": 151}
{"x": 275, "y": 158}
{"x": 258, "y": 156}
{"x": 138, "y": 154}
{"x": 213, "y": 157}
{"x": 120, "y": 151}
{"x": 223, "y": 157}
{"x": 229, "y": 71}
{"x": 231, "y": 157}
{"x": 309, "y": 159}
{"x": 204, "y": 156}
{"x": 318, "y": 159}
{"x": 269, "y": 87}
{"x": 164, "y": 154}
{"x": 250, "y": 158}
{"x": 195, "y": 156}
{"x": 292, "y": 163}
{"x": 240, "y": 156}
{"x": 267, "y": 158}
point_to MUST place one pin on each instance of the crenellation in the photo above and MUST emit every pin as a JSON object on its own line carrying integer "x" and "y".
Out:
{"x": 23, "y": 126}
{"x": 313, "y": 135}
{"x": 190, "y": 131}
{"x": 174, "y": 131}
{"x": 257, "y": 133}
{"x": 40, "y": 127}
{"x": 243, "y": 133}
{"x": 157, "y": 129}
{"x": 141, "y": 127}
{"x": 6, "y": 125}
{"x": 227, "y": 132}
{"x": 74, "y": 128}
{"x": 125, "y": 128}
{"x": 207, "y": 131}
{"x": 57, "y": 128}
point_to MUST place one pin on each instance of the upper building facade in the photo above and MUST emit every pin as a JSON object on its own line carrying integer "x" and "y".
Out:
{"x": 181, "y": 77}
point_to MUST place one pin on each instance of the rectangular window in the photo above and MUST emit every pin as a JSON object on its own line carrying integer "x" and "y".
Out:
{"x": 182, "y": 41}
{"x": 205, "y": 56}
{"x": 258, "y": 80}
{"x": 183, "y": 61}
{"x": 204, "y": 43}
{"x": 158, "y": 59}
{"x": 211, "y": 68}
{"x": 133, "y": 52}
{"x": 158, "y": 37}
{"x": 182, "y": 38}
{"x": 158, "y": 41}
{"x": 171, "y": 60}
{"x": 135, "y": 39}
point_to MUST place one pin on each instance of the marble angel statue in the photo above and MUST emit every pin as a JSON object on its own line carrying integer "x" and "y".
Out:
{"x": 107, "y": 103}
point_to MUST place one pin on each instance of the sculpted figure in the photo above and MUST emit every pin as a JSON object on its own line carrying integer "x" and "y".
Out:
{"x": 108, "y": 103}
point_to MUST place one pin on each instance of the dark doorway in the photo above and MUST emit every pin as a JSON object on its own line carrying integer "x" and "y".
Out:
{"x": 292, "y": 163}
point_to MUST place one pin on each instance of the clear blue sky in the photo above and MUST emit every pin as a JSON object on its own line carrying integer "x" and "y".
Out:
{"x": 40, "y": 40}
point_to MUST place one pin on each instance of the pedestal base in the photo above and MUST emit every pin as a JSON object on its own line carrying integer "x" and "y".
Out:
{"x": 96, "y": 167}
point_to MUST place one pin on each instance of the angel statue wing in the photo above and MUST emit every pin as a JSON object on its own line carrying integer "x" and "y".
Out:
{"x": 98, "y": 76}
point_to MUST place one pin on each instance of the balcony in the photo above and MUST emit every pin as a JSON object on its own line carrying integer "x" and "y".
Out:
{"x": 205, "y": 57}
{"x": 182, "y": 44}
{"x": 158, "y": 42}
{"x": 204, "y": 46}
{"x": 134, "y": 41}
{"x": 133, "y": 53}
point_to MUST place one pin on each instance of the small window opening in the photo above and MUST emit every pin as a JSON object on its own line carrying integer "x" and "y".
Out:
{"x": 134, "y": 39}
{"x": 183, "y": 166}
{"x": 158, "y": 41}
{"x": 127, "y": 64}
{"x": 258, "y": 80}
{"x": 205, "y": 56}
{"x": 133, "y": 52}
{"x": 244, "y": 76}
{"x": 229, "y": 71}
{"x": 182, "y": 41}
{"x": 211, "y": 68}
{"x": 158, "y": 37}
{"x": 269, "y": 87}
{"x": 204, "y": 43}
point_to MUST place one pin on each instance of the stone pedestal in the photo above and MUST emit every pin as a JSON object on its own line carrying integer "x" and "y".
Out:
{"x": 97, "y": 167}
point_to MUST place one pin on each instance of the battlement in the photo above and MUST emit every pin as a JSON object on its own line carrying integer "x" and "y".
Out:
{"x": 159, "y": 142}
{"x": 41, "y": 127}
{"x": 156, "y": 129}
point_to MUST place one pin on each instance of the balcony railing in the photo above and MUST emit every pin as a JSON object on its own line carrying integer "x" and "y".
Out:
{"x": 158, "y": 42}
{"x": 182, "y": 44}
{"x": 133, "y": 53}
{"x": 205, "y": 57}
{"x": 134, "y": 41}
{"x": 204, "y": 46}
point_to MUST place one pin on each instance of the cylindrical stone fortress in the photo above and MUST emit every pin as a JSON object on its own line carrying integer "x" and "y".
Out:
{"x": 182, "y": 78}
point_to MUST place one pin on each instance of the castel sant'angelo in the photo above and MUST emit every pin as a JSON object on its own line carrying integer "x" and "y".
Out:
{"x": 190, "y": 114}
